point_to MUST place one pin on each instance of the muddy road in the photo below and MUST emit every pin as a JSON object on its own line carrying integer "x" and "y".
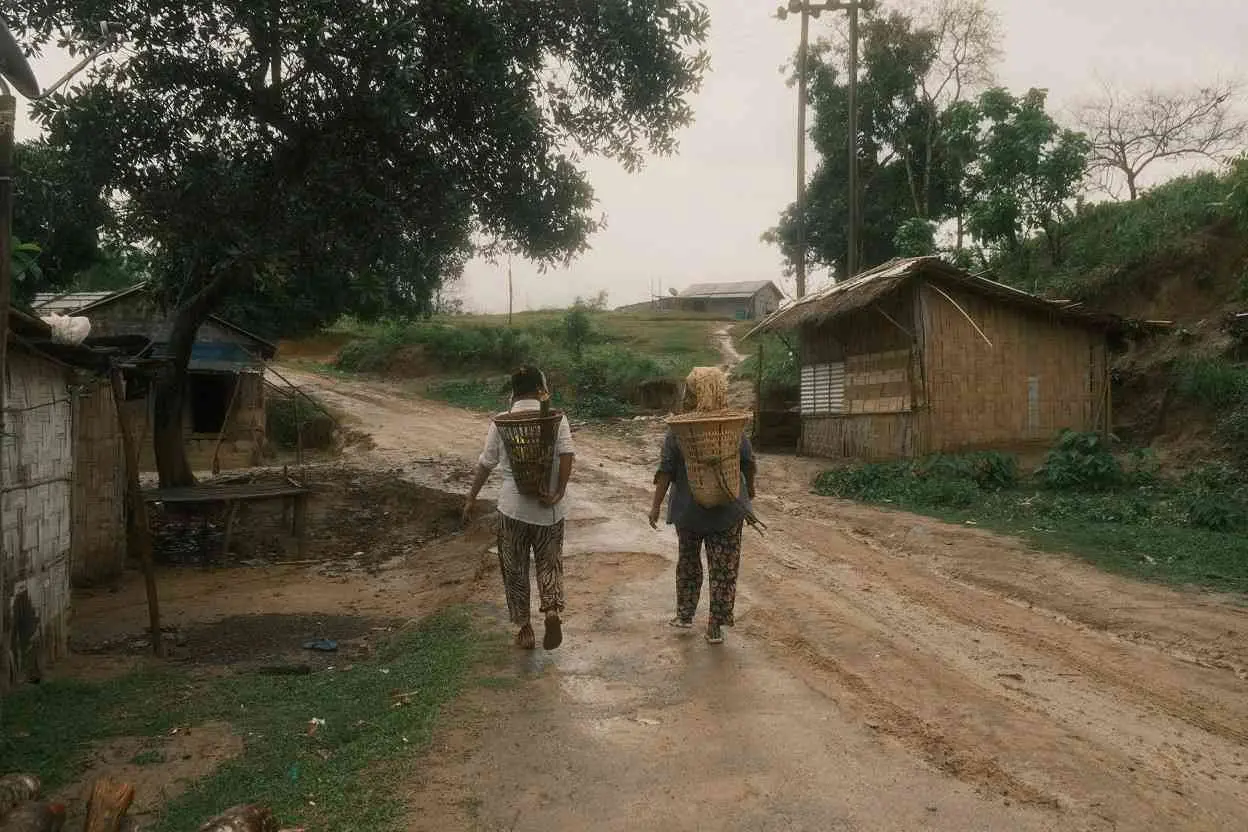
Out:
{"x": 887, "y": 672}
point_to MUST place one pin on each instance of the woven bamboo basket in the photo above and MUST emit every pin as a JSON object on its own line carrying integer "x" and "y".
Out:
{"x": 711, "y": 445}
{"x": 530, "y": 442}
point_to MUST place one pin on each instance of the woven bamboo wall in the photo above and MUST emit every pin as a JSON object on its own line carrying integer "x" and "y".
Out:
{"x": 244, "y": 436}
{"x": 873, "y": 437}
{"x": 35, "y": 511}
{"x": 881, "y": 385}
{"x": 99, "y": 509}
{"x": 1041, "y": 374}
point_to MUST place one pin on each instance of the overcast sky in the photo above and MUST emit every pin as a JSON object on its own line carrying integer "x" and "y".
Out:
{"x": 697, "y": 216}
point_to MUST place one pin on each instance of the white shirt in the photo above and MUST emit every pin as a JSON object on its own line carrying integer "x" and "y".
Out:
{"x": 510, "y": 501}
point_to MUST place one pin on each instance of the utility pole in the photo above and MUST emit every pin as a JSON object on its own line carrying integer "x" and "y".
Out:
{"x": 511, "y": 296}
{"x": 802, "y": 95}
{"x": 808, "y": 9}
{"x": 855, "y": 195}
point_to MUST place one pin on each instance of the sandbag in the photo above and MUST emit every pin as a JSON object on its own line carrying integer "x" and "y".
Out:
{"x": 68, "y": 330}
{"x": 242, "y": 819}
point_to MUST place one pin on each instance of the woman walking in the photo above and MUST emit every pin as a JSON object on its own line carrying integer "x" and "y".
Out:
{"x": 717, "y": 530}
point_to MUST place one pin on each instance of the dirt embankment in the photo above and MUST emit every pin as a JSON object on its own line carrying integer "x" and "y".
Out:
{"x": 1196, "y": 291}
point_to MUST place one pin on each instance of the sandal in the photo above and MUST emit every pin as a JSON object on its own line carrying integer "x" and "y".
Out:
{"x": 554, "y": 633}
{"x": 714, "y": 635}
{"x": 681, "y": 623}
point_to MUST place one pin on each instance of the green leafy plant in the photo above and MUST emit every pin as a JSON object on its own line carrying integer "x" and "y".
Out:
{"x": 1081, "y": 462}
{"x": 578, "y": 329}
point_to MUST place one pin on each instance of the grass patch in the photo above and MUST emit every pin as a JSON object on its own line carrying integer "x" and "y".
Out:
{"x": 345, "y": 776}
{"x": 1104, "y": 240}
{"x": 781, "y": 372}
{"x": 1121, "y": 516}
{"x": 599, "y": 361}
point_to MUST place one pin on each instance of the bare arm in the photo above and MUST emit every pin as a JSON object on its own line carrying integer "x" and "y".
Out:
{"x": 662, "y": 482}
{"x": 478, "y": 482}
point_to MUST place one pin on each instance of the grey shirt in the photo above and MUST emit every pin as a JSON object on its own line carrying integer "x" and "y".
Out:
{"x": 682, "y": 511}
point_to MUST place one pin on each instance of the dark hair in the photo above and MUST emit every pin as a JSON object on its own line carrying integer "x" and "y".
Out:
{"x": 527, "y": 381}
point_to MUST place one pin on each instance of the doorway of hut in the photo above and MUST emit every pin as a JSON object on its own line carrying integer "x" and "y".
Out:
{"x": 209, "y": 395}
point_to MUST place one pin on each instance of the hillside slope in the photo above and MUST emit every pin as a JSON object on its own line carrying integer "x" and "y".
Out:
{"x": 1179, "y": 254}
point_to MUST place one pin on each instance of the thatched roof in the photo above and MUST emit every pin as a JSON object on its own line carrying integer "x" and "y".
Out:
{"x": 865, "y": 289}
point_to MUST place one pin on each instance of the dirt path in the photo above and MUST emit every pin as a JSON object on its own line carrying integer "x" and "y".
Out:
{"x": 887, "y": 672}
{"x": 727, "y": 348}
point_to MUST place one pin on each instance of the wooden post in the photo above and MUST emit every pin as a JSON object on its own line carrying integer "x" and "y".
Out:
{"x": 229, "y": 529}
{"x": 108, "y": 805}
{"x": 225, "y": 425}
{"x": 8, "y": 115}
{"x": 758, "y": 396}
{"x": 140, "y": 529}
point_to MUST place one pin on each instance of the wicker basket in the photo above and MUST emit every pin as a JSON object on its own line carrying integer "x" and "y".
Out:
{"x": 529, "y": 438}
{"x": 711, "y": 445}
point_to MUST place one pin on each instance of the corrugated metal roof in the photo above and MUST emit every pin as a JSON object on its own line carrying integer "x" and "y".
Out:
{"x": 67, "y": 304}
{"x": 726, "y": 290}
{"x": 863, "y": 290}
{"x": 77, "y": 303}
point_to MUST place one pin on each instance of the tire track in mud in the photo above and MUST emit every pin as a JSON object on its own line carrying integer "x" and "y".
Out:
{"x": 1108, "y": 662}
{"x": 928, "y": 641}
{"x": 986, "y": 737}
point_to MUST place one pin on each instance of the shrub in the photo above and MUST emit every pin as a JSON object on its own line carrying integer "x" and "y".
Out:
{"x": 1081, "y": 462}
{"x": 285, "y": 418}
{"x": 578, "y": 329}
{"x": 1213, "y": 382}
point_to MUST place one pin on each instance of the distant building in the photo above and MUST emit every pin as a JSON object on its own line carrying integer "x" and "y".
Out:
{"x": 747, "y": 301}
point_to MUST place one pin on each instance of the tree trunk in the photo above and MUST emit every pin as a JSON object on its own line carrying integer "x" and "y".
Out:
{"x": 1133, "y": 187}
{"x": 168, "y": 439}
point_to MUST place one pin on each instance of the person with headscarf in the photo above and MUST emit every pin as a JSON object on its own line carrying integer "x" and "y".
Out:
{"x": 529, "y": 525}
{"x": 716, "y": 530}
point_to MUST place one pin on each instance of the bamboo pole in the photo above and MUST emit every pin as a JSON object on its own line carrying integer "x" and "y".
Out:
{"x": 140, "y": 530}
{"x": 225, "y": 424}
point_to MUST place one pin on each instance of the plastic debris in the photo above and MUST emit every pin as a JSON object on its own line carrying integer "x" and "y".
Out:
{"x": 324, "y": 645}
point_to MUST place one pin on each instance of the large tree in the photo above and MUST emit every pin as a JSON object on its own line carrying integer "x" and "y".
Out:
{"x": 1029, "y": 169}
{"x": 351, "y": 153}
{"x": 917, "y": 73}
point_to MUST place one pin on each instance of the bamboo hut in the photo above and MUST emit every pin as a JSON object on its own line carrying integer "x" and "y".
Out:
{"x": 918, "y": 357}
{"x": 224, "y": 415}
{"x": 37, "y": 487}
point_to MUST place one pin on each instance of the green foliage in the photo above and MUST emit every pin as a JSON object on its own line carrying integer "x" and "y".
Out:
{"x": 578, "y": 328}
{"x": 1029, "y": 169}
{"x": 1103, "y": 242}
{"x": 345, "y": 777}
{"x": 488, "y": 395}
{"x": 1081, "y": 462}
{"x": 781, "y": 373}
{"x": 997, "y": 165}
{"x": 58, "y": 210}
{"x": 464, "y": 347}
{"x": 25, "y": 270}
{"x": 602, "y": 368}
{"x": 607, "y": 377}
{"x": 1214, "y": 383}
{"x": 1190, "y": 530}
{"x": 916, "y": 237}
